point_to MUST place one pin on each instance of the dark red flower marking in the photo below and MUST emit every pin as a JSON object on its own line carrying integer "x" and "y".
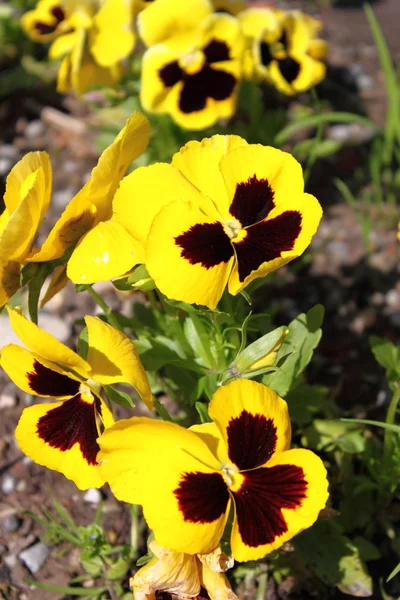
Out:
{"x": 46, "y": 28}
{"x": 290, "y": 68}
{"x": 251, "y": 440}
{"x": 253, "y": 201}
{"x": 206, "y": 244}
{"x": 266, "y": 241}
{"x": 216, "y": 51}
{"x": 260, "y": 500}
{"x": 73, "y": 422}
{"x": 266, "y": 55}
{"x": 171, "y": 74}
{"x": 202, "y": 497}
{"x": 45, "y": 382}
{"x": 207, "y": 83}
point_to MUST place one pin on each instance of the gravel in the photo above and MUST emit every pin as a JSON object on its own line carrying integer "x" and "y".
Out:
{"x": 35, "y": 556}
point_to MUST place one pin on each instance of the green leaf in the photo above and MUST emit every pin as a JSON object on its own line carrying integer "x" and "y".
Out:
{"x": 63, "y": 514}
{"x": 118, "y": 570}
{"x": 394, "y": 428}
{"x": 395, "y": 572}
{"x": 71, "y": 591}
{"x": 321, "y": 119}
{"x": 202, "y": 409}
{"x": 121, "y": 398}
{"x": 83, "y": 343}
{"x": 334, "y": 433}
{"x": 199, "y": 340}
{"x": 303, "y": 337}
{"x": 387, "y": 355}
{"x": 334, "y": 558}
{"x": 305, "y": 401}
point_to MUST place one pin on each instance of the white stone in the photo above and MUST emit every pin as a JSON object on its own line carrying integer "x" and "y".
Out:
{"x": 92, "y": 496}
{"x": 35, "y": 556}
{"x": 8, "y": 485}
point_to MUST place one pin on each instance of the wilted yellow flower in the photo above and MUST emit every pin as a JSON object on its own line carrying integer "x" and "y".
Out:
{"x": 183, "y": 575}
{"x": 26, "y": 199}
{"x": 102, "y": 248}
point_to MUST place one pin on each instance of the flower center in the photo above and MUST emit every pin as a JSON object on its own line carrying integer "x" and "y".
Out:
{"x": 192, "y": 62}
{"x": 89, "y": 388}
{"x": 228, "y": 472}
{"x": 232, "y": 228}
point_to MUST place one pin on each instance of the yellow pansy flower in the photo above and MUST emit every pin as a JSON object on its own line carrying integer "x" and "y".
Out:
{"x": 285, "y": 50}
{"x": 26, "y": 199}
{"x": 222, "y": 214}
{"x": 254, "y": 21}
{"x": 187, "y": 479}
{"x": 91, "y": 37}
{"x": 103, "y": 249}
{"x": 192, "y": 69}
{"x": 62, "y": 435}
{"x": 183, "y": 575}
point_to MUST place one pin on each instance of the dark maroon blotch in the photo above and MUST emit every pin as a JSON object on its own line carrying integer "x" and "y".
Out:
{"x": 171, "y": 74}
{"x": 253, "y": 201}
{"x": 47, "y": 28}
{"x": 45, "y": 382}
{"x": 260, "y": 500}
{"x": 216, "y": 51}
{"x": 202, "y": 497}
{"x": 266, "y": 241}
{"x": 207, "y": 83}
{"x": 290, "y": 68}
{"x": 58, "y": 13}
{"x": 266, "y": 55}
{"x": 251, "y": 440}
{"x": 206, "y": 244}
{"x": 73, "y": 422}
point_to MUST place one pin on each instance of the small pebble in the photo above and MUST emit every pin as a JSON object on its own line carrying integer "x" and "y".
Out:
{"x": 35, "y": 556}
{"x": 21, "y": 486}
{"x": 8, "y": 399}
{"x": 8, "y": 485}
{"x": 9, "y": 151}
{"x": 12, "y": 523}
{"x": 10, "y": 561}
{"x": 5, "y": 166}
{"x": 92, "y": 496}
{"x": 34, "y": 129}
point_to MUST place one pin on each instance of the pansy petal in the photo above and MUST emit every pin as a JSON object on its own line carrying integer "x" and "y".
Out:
{"x": 232, "y": 7}
{"x": 253, "y": 173}
{"x": 21, "y": 177}
{"x": 211, "y": 435}
{"x": 159, "y": 184}
{"x": 36, "y": 377}
{"x": 104, "y": 252}
{"x": 276, "y": 502}
{"x": 216, "y": 584}
{"x": 45, "y": 345}
{"x": 63, "y": 45}
{"x": 113, "y": 38}
{"x": 255, "y": 20}
{"x": 160, "y": 73}
{"x": 277, "y": 240}
{"x": 199, "y": 163}
{"x": 165, "y": 19}
{"x": 62, "y": 436}
{"x": 114, "y": 358}
{"x": 169, "y": 571}
{"x": 253, "y": 421}
{"x": 9, "y": 280}
{"x": 188, "y": 255}
{"x": 172, "y": 473}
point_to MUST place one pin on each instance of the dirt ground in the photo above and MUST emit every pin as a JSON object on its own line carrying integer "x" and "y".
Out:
{"x": 358, "y": 290}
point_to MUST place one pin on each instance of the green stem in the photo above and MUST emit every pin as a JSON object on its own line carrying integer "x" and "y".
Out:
{"x": 135, "y": 528}
{"x": 111, "y": 318}
{"x": 390, "y": 420}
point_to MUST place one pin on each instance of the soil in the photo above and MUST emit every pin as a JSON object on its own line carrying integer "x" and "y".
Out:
{"x": 360, "y": 292}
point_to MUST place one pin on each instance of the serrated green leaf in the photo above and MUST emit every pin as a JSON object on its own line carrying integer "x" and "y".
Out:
{"x": 334, "y": 558}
